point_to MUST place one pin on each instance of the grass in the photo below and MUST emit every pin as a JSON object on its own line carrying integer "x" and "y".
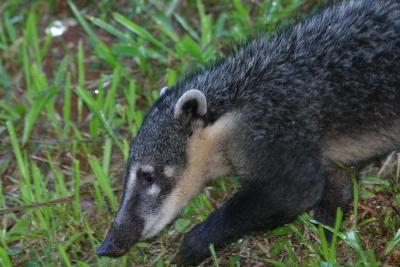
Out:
{"x": 69, "y": 106}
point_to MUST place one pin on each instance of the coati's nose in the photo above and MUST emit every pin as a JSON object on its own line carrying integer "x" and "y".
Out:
{"x": 109, "y": 249}
{"x": 124, "y": 232}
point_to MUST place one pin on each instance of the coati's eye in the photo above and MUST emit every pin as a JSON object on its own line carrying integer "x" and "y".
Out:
{"x": 147, "y": 177}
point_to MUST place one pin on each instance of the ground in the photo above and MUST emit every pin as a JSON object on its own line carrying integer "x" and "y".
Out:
{"x": 76, "y": 78}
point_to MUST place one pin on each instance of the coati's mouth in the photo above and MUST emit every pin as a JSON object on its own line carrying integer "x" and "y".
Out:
{"x": 121, "y": 237}
{"x": 104, "y": 250}
{"x": 114, "y": 248}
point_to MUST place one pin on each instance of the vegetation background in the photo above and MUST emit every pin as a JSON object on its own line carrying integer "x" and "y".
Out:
{"x": 75, "y": 80}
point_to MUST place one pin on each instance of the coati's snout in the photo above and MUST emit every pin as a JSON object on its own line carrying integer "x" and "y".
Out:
{"x": 120, "y": 239}
{"x": 146, "y": 188}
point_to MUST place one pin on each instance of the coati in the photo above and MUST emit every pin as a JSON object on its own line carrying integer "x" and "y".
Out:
{"x": 281, "y": 113}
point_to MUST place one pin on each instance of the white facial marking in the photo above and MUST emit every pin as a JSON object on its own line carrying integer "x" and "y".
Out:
{"x": 155, "y": 223}
{"x": 169, "y": 171}
{"x": 154, "y": 190}
{"x": 130, "y": 185}
{"x": 147, "y": 168}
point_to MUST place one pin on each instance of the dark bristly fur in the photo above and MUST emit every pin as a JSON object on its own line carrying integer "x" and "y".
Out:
{"x": 325, "y": 90}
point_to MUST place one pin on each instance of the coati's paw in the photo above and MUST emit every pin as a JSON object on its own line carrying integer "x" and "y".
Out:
{"x": 194, "y": 248}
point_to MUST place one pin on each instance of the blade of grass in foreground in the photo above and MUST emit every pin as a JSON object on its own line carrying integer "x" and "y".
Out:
{"x": 103, "y": 181}
{"x": 92, "y": 105}
{"x": 21, "y": 163}
{"x": 4, "y": 258}
{"x": 64, "y": 256}
{"x": 111, "y": 29}
{"x": 81, "y": 76}
{"x": 338, "y": 223}
{"x": 214, "y": 255}
{"x": 393, "y": 243}
{"x": 2, "y": 199}
{"x": 205, "y": 25}
{"x": 4, "y": 77}
{"x": 186, "y": 26}
{"x": 32, "y": 37}
{"x": 141, "y": 32}
{"x": 350, "y": 238}
{"x": 101, "y": 49}
{"x": 165, "y": 25}
{"x": 109, "y": 105}
{"x": 76, "y": 183}
{"x": 33, "y": 114}
{"x": 67, "y": 105}
{"x": 107, "y": 155}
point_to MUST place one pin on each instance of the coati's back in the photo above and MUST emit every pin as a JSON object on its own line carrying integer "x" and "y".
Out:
{"x": 332, "y": 79}
{"x": 359, "y": 63}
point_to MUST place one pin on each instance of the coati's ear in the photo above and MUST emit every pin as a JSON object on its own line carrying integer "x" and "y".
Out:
{"x": 191, "y": 101}
{"x": 163, "y": 90}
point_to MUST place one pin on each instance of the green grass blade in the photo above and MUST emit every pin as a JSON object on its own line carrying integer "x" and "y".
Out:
{"x": 324, "y": 243}
{"x": 165, "y": 25}
{"x": 372, "y": 262}
{"x": 17, "y": 151}
{"x": 81, "y": 76}
{"x": 61, "y": 71}
{"x": 33, "y": 114}
{"x": 38, "y": 186}
{"x": 4, "y": 77}
{"x": 67, "y": 105}
{"x": 109, "y": 105}
{"x": 92, "y": 105}
{"x": 103, "y": 181}
{"x": 107, "y": 155}
{"x": 393, "y": 243}
{"x": 76, "y": 179}
{"x": 3, "y": 38}
{"x": 135, "y": 28}
{"x": 2, "y": 197}
{"x": 10, "y": 110}
{"x": 20, "y": 227}
{"x": 338, "y": 223}
{"x": 192, "y": 48}
{"x": 214, "y": 255}
{"x": 205, "y": 24}
{"x": 356, "y": 196}
{"x": 31, "y": 36}
{"x": 12, "y": 35}
{"x": 219, "y": 28}
{"x": 4, "y": 259}
{"x": 64, "y": 256}
{"x": 186, "y": 26}
{"x": 110, "y": 29}
{"x": 101, "y": 49}
{"x": 26, "y": 64}
{"x": 243, "y": 12}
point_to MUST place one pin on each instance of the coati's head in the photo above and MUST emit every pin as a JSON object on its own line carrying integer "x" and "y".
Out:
{"x": 175, "y": 152}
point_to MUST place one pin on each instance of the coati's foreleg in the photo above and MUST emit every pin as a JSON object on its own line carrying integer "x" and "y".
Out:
{"x": 263, "y": 204}
{"x": 337, "y": 194}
